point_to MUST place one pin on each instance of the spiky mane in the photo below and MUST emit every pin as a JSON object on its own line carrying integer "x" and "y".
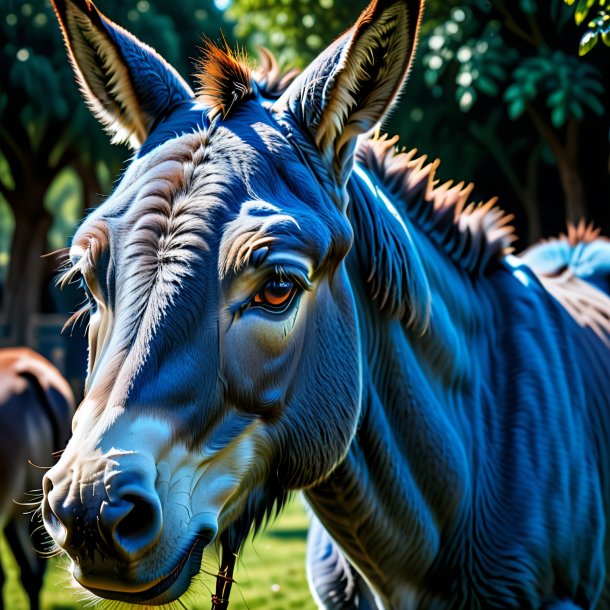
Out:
{"x": 574, "y": 268}
{"x": 472, "y": 234}
{"x": 582, "y": 233}
{"x": 226, "y": 78}
{"x": 271, "y": 80}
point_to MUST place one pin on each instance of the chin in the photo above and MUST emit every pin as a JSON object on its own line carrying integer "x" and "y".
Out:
{"x": 164, "y": 591}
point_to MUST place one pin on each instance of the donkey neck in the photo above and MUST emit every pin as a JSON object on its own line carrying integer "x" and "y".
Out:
{"x": 405, "y": 482}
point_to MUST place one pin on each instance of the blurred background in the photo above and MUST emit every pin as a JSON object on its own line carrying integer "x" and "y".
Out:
{"x": 513, "y": 95}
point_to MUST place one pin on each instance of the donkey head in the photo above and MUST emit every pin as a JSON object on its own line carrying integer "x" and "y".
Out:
{"x": 224, "y": 364}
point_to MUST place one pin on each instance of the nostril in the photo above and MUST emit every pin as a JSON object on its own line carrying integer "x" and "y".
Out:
{"x": 138, "y": 522}
{"x": 138, "y": 526}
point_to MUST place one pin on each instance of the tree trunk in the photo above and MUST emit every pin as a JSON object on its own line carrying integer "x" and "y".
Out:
{"x": 576, "y": 208}
{"x": 26, "y": 276}
{"x": 576, "y": 205}
{"x": 92, "y": 189}
{"x": 566, "y": 158}
{"x": 530, "y": 195}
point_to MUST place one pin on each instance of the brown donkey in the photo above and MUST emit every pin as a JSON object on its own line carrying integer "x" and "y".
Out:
{"x": 36, "y": 408}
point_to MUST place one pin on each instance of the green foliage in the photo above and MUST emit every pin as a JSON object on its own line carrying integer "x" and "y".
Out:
{"x": 295, "y": 31}
{"x": 598, "y": 27}
{"x": 40, "y": 82}
{"x": 552, "y": 76}
{"x": 45, "y": 128}
{"x": 7, "y": 225}
{"x": 474, "y": 57}
{"x": 64, "y": 201}
{"x": 476, "y": 60}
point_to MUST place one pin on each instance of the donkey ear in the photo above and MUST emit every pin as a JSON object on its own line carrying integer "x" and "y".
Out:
{"x": 127, "y": 85}
{"x": 349, "y": 87}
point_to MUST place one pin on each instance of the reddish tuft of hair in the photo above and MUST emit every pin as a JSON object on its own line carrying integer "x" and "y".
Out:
{"x": 224, "y": 77}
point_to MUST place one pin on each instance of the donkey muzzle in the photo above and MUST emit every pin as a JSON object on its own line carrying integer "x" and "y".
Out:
{"x": 116, "y": 512}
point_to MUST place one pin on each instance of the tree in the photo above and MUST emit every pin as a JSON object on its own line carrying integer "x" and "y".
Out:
{"x": 598, "y": 27}
{"x": 45, "y": 127}
{"x": 497, "y": 92}
{"x": 511, "y": 76}
{"x": 295, "y": 31}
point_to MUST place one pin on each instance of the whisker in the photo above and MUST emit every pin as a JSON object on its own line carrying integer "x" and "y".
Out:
{"x": 49, "y": 554}
{"x": 40, "y": 527}
{"x": 34, "y": 503}
{"x": 39, "y": 467}
{"x": 242, "y": 595}
{"x": 218, "y": 575}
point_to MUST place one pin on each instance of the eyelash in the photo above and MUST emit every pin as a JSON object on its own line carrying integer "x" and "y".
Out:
{"x": 84, "y": 311}
{"x": 295, "y": 276}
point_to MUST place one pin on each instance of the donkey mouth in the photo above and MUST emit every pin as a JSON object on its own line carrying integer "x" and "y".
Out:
{"x": 169, "y": 588}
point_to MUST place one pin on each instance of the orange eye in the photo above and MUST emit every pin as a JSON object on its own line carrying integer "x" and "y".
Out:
{"x": 275, "y": 293}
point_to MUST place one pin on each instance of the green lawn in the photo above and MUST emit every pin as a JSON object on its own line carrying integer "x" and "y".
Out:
{"x": 270, "y": 576}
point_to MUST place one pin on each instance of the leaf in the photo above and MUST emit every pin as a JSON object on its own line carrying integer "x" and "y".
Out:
{"x": 486, "y": 85}
{"x": 582, "y": 10}
{"x": 595, "y": 105}
{"x": 516, "y": 108}
{"x": 521, "y": 73}
{"x": 587, "y": 42}
{"x": 466, "y": 97}
{"x": 528, "y": 6}
{"x": 512, "y": 93}
{"x": 557, "y": 97}
{"x": 496, "y": 70}
{"x": 592, "y": 86}
{"x": 577, "y": 110}
{"x": 558, "y": 116}
{"x": 430, "y": 77}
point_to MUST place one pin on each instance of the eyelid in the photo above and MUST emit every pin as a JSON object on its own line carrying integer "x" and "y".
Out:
{"x": 291, "y": 272}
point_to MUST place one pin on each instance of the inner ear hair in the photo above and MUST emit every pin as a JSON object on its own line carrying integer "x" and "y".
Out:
{"x": 348, "y": 89}
{"x": 374, "y": 67}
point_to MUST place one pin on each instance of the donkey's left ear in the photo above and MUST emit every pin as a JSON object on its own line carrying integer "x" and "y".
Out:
{"x": 349, "y": 87}
{"x": 127, "y": 85}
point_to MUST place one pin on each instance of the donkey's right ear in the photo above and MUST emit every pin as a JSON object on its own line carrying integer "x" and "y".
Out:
{"x": 127, "y": 85}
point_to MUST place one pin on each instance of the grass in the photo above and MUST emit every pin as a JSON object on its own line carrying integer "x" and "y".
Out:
{"x": 271, "y": 574}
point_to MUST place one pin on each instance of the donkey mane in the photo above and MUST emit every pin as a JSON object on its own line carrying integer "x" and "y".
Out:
{"x": 575, "y": 269}
{"x": 226, "y": 78}
{"x": 472, "y": 234}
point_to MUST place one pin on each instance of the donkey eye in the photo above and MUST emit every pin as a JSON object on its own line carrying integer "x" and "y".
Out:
{"x": 276, "y": 295}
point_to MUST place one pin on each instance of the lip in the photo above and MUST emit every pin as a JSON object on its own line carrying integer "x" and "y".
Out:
{"x": 166, "y": 590}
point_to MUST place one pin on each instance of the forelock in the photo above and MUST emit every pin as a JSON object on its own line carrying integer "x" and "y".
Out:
{"x": 227, "y": 77}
